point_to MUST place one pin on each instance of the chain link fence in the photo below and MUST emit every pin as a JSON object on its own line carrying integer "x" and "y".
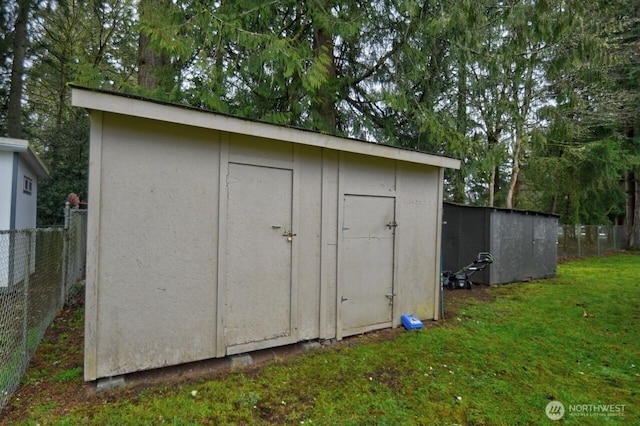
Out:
{"x": 582, "y": 240}
{"x": 39, "y": 270}
{"x": 76, "y": 251}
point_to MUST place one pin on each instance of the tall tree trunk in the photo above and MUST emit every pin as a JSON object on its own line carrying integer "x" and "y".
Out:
{"x": 515, "y": 172}
{"x": 515, "y": 175}
{"x": 325, "y": 104}
{"x": 494, "y": 184}
{"x": 461, "y": 127}
{"x": 554, "y": 204}
{"x": 14, "y": 112}
{"x": 632, "y": 218}
{"x": 519, "y": 120}
{"x": 492, "y": 187}
{"x": 151, "y": 62}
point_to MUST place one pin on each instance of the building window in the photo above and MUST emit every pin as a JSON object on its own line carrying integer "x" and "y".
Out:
{"x": 28, "y": 185}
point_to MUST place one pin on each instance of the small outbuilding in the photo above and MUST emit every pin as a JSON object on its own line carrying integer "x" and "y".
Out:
{"x": 20, "y": 170}
{"x": 523, "y": 243}
{"x": 211, "y": 235}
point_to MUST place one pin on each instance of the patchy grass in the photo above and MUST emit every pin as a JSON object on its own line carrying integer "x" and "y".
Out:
{"x": 69, "y": 375}
{"x": 573, "y": 339}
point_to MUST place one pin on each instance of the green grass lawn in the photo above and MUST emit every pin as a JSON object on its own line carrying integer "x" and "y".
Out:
{"x": 574, "y": 339}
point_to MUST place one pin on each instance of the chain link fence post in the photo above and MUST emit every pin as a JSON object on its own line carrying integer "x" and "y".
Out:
{"x": 65, "y": 255}
{"x": 25, "y": 300}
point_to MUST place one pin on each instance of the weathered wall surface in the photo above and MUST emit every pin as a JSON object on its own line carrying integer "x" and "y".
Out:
{"x": 205, "y": 243}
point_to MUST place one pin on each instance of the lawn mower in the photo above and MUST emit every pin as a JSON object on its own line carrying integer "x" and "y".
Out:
{"x": 454, "y": 280}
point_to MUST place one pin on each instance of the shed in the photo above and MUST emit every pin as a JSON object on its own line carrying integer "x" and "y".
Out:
{"x": 523, "y": 243}
{"x": 20, "y": 169}
{"x": 211, "y": 235}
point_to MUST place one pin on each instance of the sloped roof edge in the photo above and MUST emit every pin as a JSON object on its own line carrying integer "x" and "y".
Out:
{"x": 118, "y": 103}
{"x": 26, "y": 152}
{"x": 504, "y": 210}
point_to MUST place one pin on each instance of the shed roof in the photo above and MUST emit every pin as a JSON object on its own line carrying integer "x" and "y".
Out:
{"x": 504, "y": 210}
{"x": 100, "y": 100}
{"x": 26, "y": 152}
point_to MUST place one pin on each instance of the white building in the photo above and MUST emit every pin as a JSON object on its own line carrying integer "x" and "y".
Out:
{"x": 20, "y": 169}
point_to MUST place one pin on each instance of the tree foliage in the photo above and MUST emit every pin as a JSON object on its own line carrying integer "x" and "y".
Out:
{"x": 87, "y": 42}
{"x": 539, "y": 99}
{"x": 592, "y": 126}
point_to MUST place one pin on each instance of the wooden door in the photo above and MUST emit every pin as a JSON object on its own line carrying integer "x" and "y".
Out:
{"x": 368, "y": 231}
{"x": 258, "y": 294}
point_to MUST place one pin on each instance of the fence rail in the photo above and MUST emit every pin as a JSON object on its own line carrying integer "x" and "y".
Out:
{"x": 38, "y": 270}
{"x": 583, "y": 240}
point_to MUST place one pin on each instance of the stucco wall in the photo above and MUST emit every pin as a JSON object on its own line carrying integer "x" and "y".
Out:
{"x": 26, "y": 204}
{"x": 154, "y": 233}
{"x": 6, "y": 184}
{"x": 419, "y": 218}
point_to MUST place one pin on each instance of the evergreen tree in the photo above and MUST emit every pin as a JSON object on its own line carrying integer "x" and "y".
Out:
{"x": 89, "y": 43}
{"x": 5, "y": 63}
{"x": 516, "y": 89}
{"x": 19, "y": 51}
{"x": 596, "y": 116}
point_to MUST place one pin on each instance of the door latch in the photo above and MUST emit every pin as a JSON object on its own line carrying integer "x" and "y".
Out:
{"x": 392, "y": 225}
{"x": 289, "y": 235}
{"x": 390, "y": 296}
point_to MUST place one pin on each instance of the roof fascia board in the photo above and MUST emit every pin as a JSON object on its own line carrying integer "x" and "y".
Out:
{"x": 27, "y": 154}
{"x": 174, "y": 114}
{"x": 36, "y": 164}
{"x": 13, "y": 145}
{"x": 502, "y": 209}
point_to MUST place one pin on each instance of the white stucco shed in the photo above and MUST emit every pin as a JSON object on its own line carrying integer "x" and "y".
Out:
{"x": 20, "y": 170}
{"x": 211, "y": 235}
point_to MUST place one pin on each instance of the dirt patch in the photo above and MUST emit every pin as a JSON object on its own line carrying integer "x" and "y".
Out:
{"x": 54, "y": 377}
{"x": 54, "y": 381}
{"x": 456, "y": 299}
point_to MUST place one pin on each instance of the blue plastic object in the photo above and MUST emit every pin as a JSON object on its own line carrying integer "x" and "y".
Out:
{"x": 411, "y": 322}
